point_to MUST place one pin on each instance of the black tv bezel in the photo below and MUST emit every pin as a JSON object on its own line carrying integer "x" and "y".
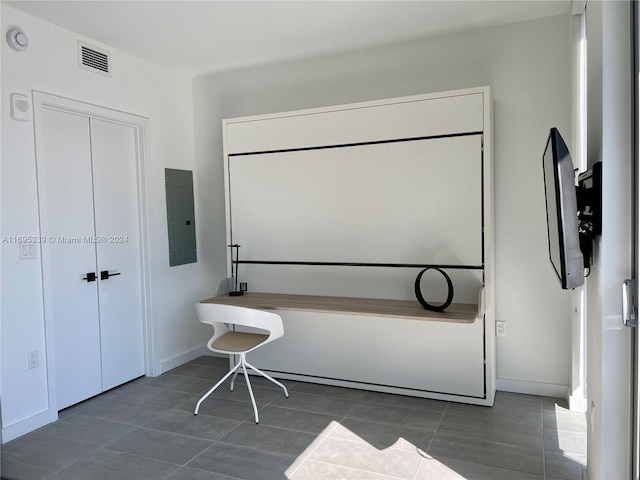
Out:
{"x": 570, "y": 270}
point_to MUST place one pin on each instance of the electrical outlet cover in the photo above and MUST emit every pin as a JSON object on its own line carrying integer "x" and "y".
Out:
{"x": 34, "y": 359}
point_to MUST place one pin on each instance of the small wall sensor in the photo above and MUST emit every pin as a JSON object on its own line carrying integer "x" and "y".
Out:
{"x": 17, "y": 39}
{"x": 19, "y": 107}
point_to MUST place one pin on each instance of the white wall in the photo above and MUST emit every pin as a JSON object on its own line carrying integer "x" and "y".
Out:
{"x": 528, "y": 67}
{"x": 609, "y": 140}
{"x": 138, "y": 87}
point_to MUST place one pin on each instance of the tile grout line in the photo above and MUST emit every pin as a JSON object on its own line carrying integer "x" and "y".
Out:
{"x": 50, "y": 473}
{"x": 308, "y": 457}
{"x": 323, "y": 439}
{"x": 101, "y": 449}
{"x": 93, "y": 451}
{"x": 344, "y": 417}
{"x": 254, "y": 449}
{"x": 531, "y": 448}
{"x": 211, "y": 442}
{"x": 446, "y": 406}
{"x": 80, "y": 414}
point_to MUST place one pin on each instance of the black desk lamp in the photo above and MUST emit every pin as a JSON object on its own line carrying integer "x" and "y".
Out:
{"x": 234, "y": 274}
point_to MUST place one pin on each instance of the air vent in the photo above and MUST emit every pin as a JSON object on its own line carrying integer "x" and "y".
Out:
{"x": 94, "y": 59}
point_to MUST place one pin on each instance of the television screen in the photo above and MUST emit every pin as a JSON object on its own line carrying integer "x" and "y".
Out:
{"x": 562, "y": 212}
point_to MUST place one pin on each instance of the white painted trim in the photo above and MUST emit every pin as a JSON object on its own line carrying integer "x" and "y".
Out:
{"x": 227, "y": 195}
{"x": 27, "y": 425}
{"x": 173, "y": 362}
{"x": 578, "y": 7}
{"x": 577, "y": 404}
{"x": 351, "y": 106}
{"x": 577, "y": 390}
{"x": 40, "y": 101}
{"x": 68, "y": 105}
{"x": 532, "y": 388}
{"x": 489, "y": 242}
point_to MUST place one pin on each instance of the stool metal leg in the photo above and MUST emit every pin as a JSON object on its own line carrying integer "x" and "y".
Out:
{"x": 246, "y": 377}
{"x": 286, "y": 393}
{"x": 233, "y": 379}
{"x": 211, "y": 390}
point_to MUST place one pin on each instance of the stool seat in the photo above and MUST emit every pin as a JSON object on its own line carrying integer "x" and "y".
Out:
{"x": 238, "y": 341}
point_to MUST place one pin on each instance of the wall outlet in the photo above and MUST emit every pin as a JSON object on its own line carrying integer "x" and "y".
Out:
{"x": 243, "y": 286}
{"x": 501, "y": 328}
{"x": 34, "y": 359}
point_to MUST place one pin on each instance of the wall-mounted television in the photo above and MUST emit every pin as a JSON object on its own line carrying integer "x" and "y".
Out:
{"x": 562, "y": 212}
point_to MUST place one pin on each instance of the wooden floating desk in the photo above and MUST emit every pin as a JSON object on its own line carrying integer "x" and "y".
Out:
{"x": 405, "y": 309}
{"x": 365, "y": 343}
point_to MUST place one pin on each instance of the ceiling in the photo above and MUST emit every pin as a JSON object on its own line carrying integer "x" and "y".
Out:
{"x": 199, "y": 37}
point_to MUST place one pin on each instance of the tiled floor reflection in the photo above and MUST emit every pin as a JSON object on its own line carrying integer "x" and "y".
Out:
{"x": 146, "y": 430}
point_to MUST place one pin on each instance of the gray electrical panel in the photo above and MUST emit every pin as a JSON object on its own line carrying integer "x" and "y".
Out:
{"x": 180, "y": 216}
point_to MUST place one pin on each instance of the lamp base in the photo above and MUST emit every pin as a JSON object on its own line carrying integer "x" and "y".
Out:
{"x": 237, "y": 293}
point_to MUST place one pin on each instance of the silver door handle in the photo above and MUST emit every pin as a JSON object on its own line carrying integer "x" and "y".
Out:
{"x": 629, "y": 316}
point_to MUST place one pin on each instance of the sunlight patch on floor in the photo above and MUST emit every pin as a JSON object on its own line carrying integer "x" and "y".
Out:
{"x": 338, "y": 452}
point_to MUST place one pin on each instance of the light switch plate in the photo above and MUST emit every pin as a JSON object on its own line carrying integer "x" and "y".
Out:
{"x": 28, "y": 251}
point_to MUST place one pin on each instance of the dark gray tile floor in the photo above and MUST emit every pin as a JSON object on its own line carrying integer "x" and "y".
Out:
{"x": 146, "y": 430}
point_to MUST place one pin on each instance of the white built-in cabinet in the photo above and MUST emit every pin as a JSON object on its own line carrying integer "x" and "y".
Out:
{"x": 91, "y": 249}
{"x": 352, "y": 201}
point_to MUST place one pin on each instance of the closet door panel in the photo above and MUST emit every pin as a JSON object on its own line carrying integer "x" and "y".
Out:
{"x": 66, "y": 205}
{"x": 118, "y": 251}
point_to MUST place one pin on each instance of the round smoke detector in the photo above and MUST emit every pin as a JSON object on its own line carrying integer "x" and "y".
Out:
{"x": 17, "y": 39}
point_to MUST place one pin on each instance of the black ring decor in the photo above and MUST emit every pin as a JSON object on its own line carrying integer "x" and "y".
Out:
{"x": 423, "y": 302}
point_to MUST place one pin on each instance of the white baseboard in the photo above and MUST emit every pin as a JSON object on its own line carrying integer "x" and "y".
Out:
{"x": 532, "y": 388}
{"x": 173, "y": 362}
{"x": 27, "y": 425}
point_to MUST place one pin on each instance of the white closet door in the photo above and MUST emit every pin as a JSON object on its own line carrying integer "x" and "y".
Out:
{"x": 87, "y": 180}
{"x": 113, "y": 150}
{"x": 66, "y": 204}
